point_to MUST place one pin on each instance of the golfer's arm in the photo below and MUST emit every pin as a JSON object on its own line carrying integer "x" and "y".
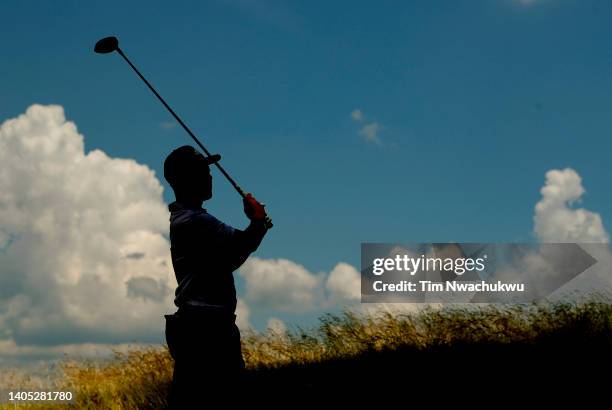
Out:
{"x": 252, "y": 236}
{"x": 246, "y": 242}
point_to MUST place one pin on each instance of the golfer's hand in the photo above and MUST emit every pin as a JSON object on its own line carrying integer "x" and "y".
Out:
{"x": 253, "y": 209}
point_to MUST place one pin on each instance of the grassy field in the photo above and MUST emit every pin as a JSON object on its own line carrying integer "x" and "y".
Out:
{"x": 473, "y": 346}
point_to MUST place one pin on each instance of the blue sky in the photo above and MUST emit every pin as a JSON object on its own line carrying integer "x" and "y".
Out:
{"x": 475, "y": 101}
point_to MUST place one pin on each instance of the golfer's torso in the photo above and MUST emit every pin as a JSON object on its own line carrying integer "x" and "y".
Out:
{"x": 201, "y": 250}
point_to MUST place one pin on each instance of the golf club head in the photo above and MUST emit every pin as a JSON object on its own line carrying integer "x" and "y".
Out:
{"x": 107, "y": 45}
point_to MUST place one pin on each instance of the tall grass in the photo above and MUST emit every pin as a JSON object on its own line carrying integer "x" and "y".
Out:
{"x": 351, "y": 334}
{"x": 140, "y": 379}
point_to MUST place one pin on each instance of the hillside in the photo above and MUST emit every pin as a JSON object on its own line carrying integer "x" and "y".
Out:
{"x": 466, "y": 350}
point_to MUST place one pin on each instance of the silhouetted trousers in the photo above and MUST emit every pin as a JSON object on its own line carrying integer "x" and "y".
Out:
{"x": 207, "y": 357}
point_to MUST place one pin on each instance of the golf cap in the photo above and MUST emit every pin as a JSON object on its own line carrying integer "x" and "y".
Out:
{"x": 184, "y": 162}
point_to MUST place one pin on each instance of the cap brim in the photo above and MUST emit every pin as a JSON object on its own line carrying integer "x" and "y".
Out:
{"x": 213, "y": 159}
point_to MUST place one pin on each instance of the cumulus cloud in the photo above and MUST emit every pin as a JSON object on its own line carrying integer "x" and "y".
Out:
{"x": 343, "y": 284}
{"x": 357, "y": 115}
{"x": 556, "y": 221}
{"x": 286, "y": 286}
{"x": 280, "y": 284}
{"x": 84, "y": 255}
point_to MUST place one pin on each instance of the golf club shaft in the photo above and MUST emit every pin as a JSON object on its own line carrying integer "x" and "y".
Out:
{"x": 191, "y": 134}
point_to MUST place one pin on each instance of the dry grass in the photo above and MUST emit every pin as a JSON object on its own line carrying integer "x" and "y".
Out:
{"x": 140, "y": 379}
{"x": 350, "y": 334}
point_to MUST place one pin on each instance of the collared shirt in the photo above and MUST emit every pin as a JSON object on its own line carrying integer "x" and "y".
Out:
{"x": 205, "y": 252}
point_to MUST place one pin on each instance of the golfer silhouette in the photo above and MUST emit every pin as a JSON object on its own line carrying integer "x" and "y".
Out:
{"x": 202, "y": 335}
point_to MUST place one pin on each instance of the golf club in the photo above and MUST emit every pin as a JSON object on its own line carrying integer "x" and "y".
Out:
{"x": 110, "y": 44}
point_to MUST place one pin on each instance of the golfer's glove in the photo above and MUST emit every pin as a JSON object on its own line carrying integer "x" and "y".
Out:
{"x": 253, "y": 209}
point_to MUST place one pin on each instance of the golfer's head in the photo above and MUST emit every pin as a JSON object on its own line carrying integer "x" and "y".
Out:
{"x": 188, "y": 173}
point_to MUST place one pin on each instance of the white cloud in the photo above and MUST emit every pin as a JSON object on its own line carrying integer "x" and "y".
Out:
{"x": 283, "y": 285}
{"x": 343, "y": 284}
{"x": 556, "y": 221}
{"x": 87, "y": 260}
{"x": 370, "y": 132}
{"x": 276, "y": 326}
{"x": 357, "y": 115}
{"x": 280, "y": 284}
{"x": 243, "y": 314}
